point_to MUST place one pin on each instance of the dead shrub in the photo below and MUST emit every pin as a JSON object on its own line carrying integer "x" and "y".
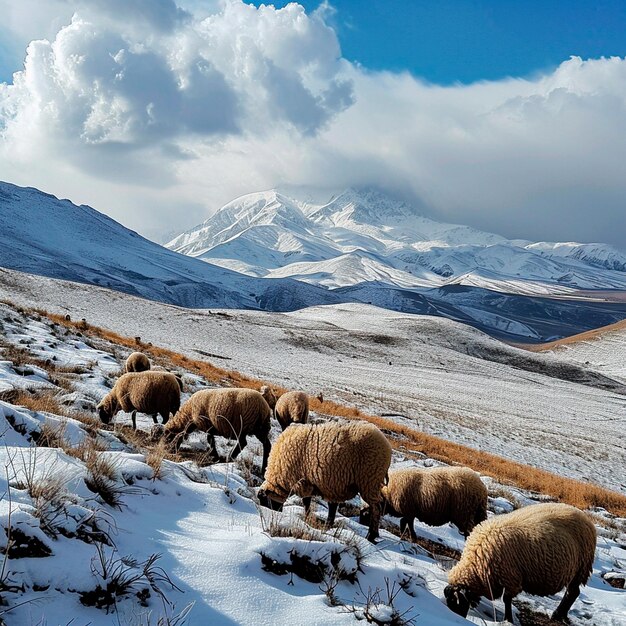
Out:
{"x": 121, "y": 577}
{"x": 102, "y": 478}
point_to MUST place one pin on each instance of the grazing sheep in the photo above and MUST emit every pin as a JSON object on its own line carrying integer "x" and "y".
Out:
{"x": 269, "y": 396}
{"x": 152, "y": 393}
{"x": 230, "y": 413}
{"x": 137, "y": 362}
{"x": 434, "y": 496}
{"x": 539, "y": 549}
{"x": 292, "y": 408}
{"x": 336, "y": 461}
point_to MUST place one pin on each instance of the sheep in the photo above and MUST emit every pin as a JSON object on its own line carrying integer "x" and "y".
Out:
{"x": 268, "y": 395}
{"x": 148, "y": 392}
{"x": 435, "y": 496}
{"x": 137, "y": 362}
{"x": 538, "y": 549}
{"x": 335, "y": 460}
{"x": 292, "y": 408}
{"x": 231, "y": 413}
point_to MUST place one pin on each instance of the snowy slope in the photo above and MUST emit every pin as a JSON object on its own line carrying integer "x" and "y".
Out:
{"x": 44, "y": 235}
{"x": 277, "y": 254}
{"x": 603, "y": 350}
{"x": 221, "y": 558}
{"x": 444, "y": 377}
{"x": 275, "y": 234}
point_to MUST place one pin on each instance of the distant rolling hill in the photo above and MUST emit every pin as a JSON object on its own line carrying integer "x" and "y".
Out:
{"x": 270, "y": 253}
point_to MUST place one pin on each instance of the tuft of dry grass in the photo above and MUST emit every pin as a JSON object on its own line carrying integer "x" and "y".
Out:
{"x": 578, "y": 493}
{"x": 102, "y": 478}
{"x": 155, "y": 456}
{"x": 40, "y": 402}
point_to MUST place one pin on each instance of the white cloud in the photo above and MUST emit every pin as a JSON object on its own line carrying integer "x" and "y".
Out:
{"x": 138, "y": 105}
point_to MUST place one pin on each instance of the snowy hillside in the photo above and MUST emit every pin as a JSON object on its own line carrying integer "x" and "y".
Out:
{"x": 102, "y": 528}
{"x": 603, "y": 350}
{"x": 51, "y": 237}
{"x": 440, "y": 376}
{"x": 362, "y": 235}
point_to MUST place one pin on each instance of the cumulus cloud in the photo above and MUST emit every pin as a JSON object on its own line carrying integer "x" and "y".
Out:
{"x": 151, "y": 110}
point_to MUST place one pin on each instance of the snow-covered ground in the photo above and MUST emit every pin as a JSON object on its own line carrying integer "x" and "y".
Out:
{"x": 446, "y": 378}
{"x": 219, "y": 556}
{"x": 604, "y": 352}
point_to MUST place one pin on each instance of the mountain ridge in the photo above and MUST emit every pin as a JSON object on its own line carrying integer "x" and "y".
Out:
{"x": 272, "y": 235}
{"x": 367, "y": 222}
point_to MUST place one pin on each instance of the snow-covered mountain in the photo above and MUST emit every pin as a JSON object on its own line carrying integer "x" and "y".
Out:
{"x": 367, "y": 247}
{"x": 268, "y": 251}
{"x": 43, "y": 235}
{"x": 360, "y": 236}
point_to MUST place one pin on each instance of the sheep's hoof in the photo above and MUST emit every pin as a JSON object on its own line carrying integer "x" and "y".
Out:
{"x": 156, "y": 432}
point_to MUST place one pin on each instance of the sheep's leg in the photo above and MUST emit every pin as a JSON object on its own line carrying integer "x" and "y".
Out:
{"x": 407, "y": 523}
{"x": 267, "y": 446}
{"x": 210, "y": 440}
{"x": 372, "y": 533}
{"x": 571, "y": 593}
{"x": 133, "y": 417}
{"x": 307, "y": 505}
{"x": 508, "y": 607}
{"x": 332, "y": 511}
{"x": 241, "y": 444}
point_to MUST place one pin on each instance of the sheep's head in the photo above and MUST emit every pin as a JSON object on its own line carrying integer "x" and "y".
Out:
{"x": 107, "y": 408}
{"x": 269, "y": 396}
{"x": 460, "y": 600}
{"x": 385, "y": 509}
{"x": 271, "y": 497}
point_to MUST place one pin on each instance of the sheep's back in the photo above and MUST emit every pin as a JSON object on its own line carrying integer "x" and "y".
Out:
{"x": 293, "y": 406}
{"x": 148, "y": 392}
{"x": 229, "y": 412}
{"x": 137, "y": 362}
{"x": 341, "y": 460}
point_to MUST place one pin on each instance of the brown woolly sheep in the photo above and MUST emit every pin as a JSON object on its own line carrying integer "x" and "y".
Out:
{"x": 137, "y": 362}
{"x": 229, "y": 413}
{"x": 434, "y": 496}
{"x": 292, "y": 408}
{"x": 539, "y": 549}
{"x": 152, "y": 393}
{"x": 268, "y": 395}
{"x": 335, "y": 461}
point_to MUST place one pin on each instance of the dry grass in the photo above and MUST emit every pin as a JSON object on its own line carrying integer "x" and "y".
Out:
{"x": 102, "y": 478}
{"x": 589, "y": 335}
{"x": 155, "y": 456}
{"x": 48, "y": 402}
{"x": 578, "y": 493}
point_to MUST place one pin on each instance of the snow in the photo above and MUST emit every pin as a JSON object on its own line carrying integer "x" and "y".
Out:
{"x": 278, "y": 234}
{"x": 605, "y": 353}
{"x": 436, "y": 375}
{"x": 204, "y": 523}
{"x": 97, "y": 250}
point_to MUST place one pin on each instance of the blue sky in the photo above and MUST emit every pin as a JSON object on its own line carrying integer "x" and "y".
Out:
{"x": 445, "y": 41}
